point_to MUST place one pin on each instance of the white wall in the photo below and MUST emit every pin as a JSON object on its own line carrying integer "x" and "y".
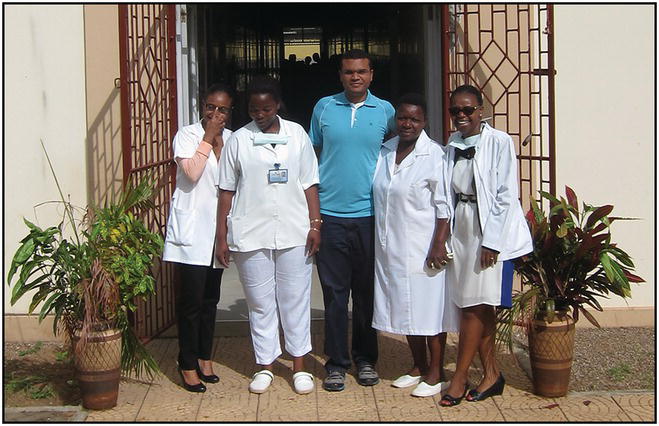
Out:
{"x": 605, "y": 122}
{"x": 44, "y": 99}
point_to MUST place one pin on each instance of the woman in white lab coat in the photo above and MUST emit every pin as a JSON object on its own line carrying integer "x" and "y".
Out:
{"x": 269, "y": 217}
{"x": 411, "y": 228}
{"x": 190, "y": 235}
{"x": 488, "y": 231}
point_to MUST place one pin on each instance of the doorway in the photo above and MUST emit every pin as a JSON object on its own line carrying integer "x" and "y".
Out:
{"x": 300, "y": 45}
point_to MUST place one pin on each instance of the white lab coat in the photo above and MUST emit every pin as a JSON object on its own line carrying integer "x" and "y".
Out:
{"x": 502, "y": 221}
{"x": 268, "y": 215}
{"x": 410, "y": 298}
{"x": 192, "y": 215}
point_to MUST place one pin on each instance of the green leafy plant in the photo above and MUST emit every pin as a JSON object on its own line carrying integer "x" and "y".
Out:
{"x": 573, "y": 263}
{"x": 61, "y": 356}
{"x": 40, "y": 391}
{"x": 31, "y": 350}
{"x": 36, "y": 387}
{"x": 619, "y": 371}
{"x": 92, "y": 280}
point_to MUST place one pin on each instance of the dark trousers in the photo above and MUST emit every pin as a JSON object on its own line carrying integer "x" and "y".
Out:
{"x": 197, "y": 307}
{"x": 345, "y": 263}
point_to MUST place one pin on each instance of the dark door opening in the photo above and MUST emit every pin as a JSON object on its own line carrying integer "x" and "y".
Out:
{"x": 299, "y": 44}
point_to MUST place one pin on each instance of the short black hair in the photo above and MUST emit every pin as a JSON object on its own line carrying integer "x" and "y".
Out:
{"x": 356, "y": 54}
{"x": 219, "y": 88}
{"x": 469, "y": 90}
{"x": 264, "y": 84}
{"x": 414, "y": 99}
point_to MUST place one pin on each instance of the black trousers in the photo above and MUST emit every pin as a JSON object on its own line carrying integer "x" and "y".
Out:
{"x": 345, "y": 264}
{"x": 196, "y": 309}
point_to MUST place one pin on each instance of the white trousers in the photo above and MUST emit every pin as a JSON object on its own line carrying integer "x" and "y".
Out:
{"x": 277, "y": 283}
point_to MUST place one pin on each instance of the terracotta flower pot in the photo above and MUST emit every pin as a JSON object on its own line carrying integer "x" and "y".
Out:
{"x": 551, "y": 349}
{"x": 98, "y": 369}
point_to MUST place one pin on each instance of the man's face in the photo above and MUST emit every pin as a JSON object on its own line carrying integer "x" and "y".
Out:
{"x": 356, "y": 76}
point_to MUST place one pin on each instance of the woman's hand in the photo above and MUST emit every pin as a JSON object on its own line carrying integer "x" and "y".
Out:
{"x": 222, "y": 251}
{"x": 438, "y": 257}
{"x": 313, "y": 242}
{"x": 214, "y": 127}
{"x": 488, "y": 257}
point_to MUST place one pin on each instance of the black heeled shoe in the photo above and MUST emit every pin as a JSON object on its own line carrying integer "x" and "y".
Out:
{"x": 452, "y": 401}
{"x": 212, "y": 378}
{"x": 495, "y": 389}
{"x": 199, "y": 387}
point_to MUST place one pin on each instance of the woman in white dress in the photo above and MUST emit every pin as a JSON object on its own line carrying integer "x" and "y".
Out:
{"x": 269, "y": 217}
{"x": 411, "y": 226}
{"x": 190, "y": 235}
{"x": 488, "y": 229}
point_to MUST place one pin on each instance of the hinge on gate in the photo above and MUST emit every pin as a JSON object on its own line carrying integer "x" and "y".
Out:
{"x": 117, "y": 83}
{"x": 542, "y": 71}
{"x": 184, "y": 15}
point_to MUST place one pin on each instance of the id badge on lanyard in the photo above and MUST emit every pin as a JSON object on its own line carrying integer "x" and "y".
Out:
{"x": 277, "y": 175}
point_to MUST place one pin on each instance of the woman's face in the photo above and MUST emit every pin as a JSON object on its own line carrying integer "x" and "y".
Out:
{"x": 410, "y": 121}
{"x": 467, "y": 124}
{"x": 218, "y": 103}
{"x": 263, "y": 110}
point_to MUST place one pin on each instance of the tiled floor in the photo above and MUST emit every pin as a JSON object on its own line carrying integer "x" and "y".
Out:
{"x": 164, "y": 400}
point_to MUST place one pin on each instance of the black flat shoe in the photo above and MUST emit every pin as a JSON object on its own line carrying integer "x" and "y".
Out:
{"x": 495, "y": 389}
{"x": 451, "y": 401}
{"x": 208, "y": 379}
{"x": 199, "y": 387}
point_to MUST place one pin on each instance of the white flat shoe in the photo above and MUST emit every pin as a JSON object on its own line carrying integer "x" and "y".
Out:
{"x": 261, "y": 381}
{"x": 303, "y": 382}
{"x": 424, "y": 389}
{"x": 406, "y": 381}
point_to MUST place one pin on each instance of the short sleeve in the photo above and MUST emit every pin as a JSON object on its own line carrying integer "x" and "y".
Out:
{"x": 315, "y": 133}
{"x": 229, "y": 165}
{"x": 391, "y": 118}
{"x": 185, "y": 143}
{"x": 308, "y": 163}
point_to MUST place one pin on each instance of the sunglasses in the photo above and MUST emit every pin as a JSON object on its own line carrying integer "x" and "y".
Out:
{"x": 468, "y": 110}
{"x": 222, "y": 109}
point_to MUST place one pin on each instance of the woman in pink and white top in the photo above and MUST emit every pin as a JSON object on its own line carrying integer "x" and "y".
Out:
{"x": 191, "y": 235}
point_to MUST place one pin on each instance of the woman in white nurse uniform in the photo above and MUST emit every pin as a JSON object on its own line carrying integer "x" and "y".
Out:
{"x": 488, "y": 230}
{"x": 190, "y": 235}
{"x": 269, "y": 218}
{"x": 411, "y": 227}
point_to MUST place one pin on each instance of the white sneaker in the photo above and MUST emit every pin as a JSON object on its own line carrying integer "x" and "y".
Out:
{"x": 303, "y": 382}
{"x": 261, "y": 381}
{"x": 406, "y": 381}
{"x": 424, "y": 389}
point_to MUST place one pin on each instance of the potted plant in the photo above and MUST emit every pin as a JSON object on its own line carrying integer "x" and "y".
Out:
{"x": 574, "y": 262}
{"x": 90, "y": 281}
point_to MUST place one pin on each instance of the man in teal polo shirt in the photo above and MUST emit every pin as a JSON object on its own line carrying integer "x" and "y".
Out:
{"x": 348, "y": 130}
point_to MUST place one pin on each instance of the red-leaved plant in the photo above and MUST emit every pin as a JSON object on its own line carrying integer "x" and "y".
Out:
{"x": 573, "y": 263}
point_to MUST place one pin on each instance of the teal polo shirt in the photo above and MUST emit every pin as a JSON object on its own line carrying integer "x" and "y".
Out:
{"x": 349, "y": 151}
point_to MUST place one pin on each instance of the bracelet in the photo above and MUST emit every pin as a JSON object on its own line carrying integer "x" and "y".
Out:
{"x": 316, "y": 220}
{"x": 314, "y": 229}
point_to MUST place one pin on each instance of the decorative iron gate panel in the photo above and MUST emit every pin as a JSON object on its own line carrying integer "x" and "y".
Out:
{"x": 507, "y": 52}
{"x": 149, "y": 121}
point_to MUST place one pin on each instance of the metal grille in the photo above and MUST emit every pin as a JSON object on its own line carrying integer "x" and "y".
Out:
{"x": 148, "y": 114}
{"x": 507, "y": 52}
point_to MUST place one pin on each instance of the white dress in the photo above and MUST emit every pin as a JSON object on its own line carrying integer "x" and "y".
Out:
{"x": 470, "y": 285}
{"x": 410, "y": 298}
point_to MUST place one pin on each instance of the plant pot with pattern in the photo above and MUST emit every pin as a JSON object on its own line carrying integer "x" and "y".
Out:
{"x": 89, "y": 272}
{"x": 574, "y": 263}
